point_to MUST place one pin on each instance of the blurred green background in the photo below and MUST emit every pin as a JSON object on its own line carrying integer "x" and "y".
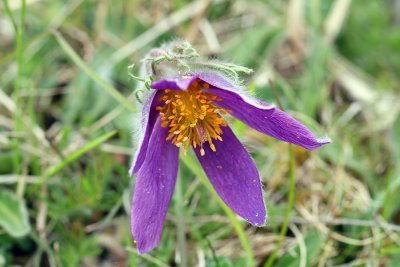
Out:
{"x": 66, "y": 122}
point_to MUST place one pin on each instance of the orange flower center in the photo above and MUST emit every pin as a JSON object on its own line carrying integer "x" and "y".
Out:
{"x": 191, "y": 116}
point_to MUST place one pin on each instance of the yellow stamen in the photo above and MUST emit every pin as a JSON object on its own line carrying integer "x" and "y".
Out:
{"x": 192, "y": 117}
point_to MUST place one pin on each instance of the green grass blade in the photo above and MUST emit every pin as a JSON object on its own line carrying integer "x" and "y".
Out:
{"x": 74, "y": 156}
{"x": 92, "y": 74}
{"x": 10, "y": 15}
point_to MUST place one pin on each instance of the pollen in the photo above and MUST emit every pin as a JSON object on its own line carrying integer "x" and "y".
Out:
{"x": 192, "y": 117}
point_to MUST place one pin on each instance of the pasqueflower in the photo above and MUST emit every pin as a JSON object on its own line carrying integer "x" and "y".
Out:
{"x": 189, "y": 110}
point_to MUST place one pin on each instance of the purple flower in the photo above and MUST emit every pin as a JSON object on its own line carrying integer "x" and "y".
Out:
{"x": 186, "y": 111}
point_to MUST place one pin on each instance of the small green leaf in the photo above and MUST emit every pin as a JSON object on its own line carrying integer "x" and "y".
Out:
{"x": 13, "y": 214}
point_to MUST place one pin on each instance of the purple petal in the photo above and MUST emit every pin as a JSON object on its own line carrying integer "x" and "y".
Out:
{"x": 234, "y": 176}
{"x": 178, "y": 83}
{"x": 216, "y": 80}
{"x": 149, "y": 116}
{"x": 267, "y": 119}
{"x": 259, "y": 115}
{"x": 183, "y": 82}
{"x": 155, "y": 184}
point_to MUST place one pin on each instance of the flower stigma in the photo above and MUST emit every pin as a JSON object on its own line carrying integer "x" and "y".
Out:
{"x": 192, "y": 116}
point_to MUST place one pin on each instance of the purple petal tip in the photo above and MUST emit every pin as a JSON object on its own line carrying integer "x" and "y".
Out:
{"x": 145, "y": 248}
{"x": 259, "y": 219}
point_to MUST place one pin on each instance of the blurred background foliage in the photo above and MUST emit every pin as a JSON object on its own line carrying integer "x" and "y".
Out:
{"x": 66, "y": 124}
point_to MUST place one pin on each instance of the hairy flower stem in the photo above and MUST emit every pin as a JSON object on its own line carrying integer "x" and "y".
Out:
{"x": 180, "y": 224}
{"x": 292, "y": 186}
